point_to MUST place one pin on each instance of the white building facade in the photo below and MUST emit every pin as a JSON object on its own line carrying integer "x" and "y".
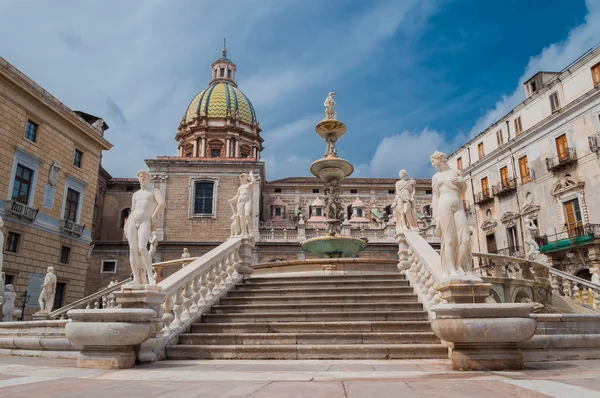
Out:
{"x": 541, "y": 160}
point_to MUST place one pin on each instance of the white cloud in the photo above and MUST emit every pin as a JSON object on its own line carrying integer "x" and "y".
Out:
{"x": 554, "y": 57}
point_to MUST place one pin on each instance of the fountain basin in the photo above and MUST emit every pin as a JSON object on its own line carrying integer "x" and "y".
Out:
{"x": 334, "y": 246}
{"x": 327, "y": 128}
{"x": 331, "y": 169}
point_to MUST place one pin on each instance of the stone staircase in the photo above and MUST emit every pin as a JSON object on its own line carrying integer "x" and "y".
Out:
{"x": 314, "y": 317}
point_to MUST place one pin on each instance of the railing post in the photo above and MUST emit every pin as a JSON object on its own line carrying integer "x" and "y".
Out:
{"x": 403, "y": 255}
{"x": 245, "y": 257}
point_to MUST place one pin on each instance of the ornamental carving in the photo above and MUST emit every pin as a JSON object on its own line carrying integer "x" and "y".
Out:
{"x": 489, "y": 226}
{"x": 565, "y": 184}
{"x": 509, "y": 218}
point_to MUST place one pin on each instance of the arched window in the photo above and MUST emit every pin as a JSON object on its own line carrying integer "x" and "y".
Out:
{"x": 124, "y": 215}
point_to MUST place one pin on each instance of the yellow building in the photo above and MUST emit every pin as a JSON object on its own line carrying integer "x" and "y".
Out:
{"x": 49, "y": 164}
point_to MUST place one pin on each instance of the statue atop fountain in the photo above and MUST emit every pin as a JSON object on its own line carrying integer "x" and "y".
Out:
{"x": 329, "y": 107}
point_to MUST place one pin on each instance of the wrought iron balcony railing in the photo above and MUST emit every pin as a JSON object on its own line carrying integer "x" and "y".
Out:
{"x": 71, "y": 227}
{"x": 483, "y": 197}
{"x": 21, "y": 210}
{"x": 505, "y": 187}
{"x": 558, "y": 162}
{"x": 594, "y": 142}
{"x": 570, "y": 238}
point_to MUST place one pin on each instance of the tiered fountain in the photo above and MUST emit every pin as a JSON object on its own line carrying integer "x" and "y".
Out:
{"x": 332, "y": 170}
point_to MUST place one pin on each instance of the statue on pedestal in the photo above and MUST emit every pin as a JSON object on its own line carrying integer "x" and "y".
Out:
{"x": 242, "y": 205}
{"x": 8, "y": 308}
{"x": 531, "y": 246}
{"x": 146, "y": 205}
{"x": 329, "y": 107}
{"x": 46, "y": 300}
{"x": 450, "y": 219}
{"x": 186, "y": 253}
{"x": 404, "y": 206}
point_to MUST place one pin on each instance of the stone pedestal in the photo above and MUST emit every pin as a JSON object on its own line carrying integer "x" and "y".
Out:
{"x": 40, "y": 316}
{"x": 108, "y": 337}
{"x": 484, "y": 335}
{"x": 465, "y": 291}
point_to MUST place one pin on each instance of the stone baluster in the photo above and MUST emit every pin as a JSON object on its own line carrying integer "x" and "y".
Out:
{"x": 403, "y": 253}
{"x": 585, "y": 296}
{"x": 555, "y": 284}
{"x": 236, "y": 265}
{"x": 567, "y": 289}
{"x": 178, "y": 308}
{"x": 576, "y": 296}
{"x": 499, "y": 269}
{"x": 203, "y": 290}
{"x": 168, "y": 313}
{"x": 88, "y": 305}
{"x": 229, "y": 269}
{"x": 187, "y": 300}
{"x": 210, "y": 284}
{"x": 596, "y": 299}
{"x": 224, "y": 264}
{"x": 96, "y": 304}
{"x": 216, "y": 269}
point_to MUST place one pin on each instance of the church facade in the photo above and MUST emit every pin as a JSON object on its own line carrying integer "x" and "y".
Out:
{"x": 219, "y": 137}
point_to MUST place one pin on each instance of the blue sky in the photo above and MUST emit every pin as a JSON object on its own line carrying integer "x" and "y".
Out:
{"x": 411, "y": 76}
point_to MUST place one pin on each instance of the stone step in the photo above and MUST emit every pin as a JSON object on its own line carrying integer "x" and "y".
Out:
{"x": 308, "y": 338}
{"x": 324, "y": 277}
{"x": 332, "y": 298}
{"x": 321, "y": 291}
{"x": 323, "y": 284}
{"x": 317, "y": 351}
{"x": 318, "y": 307}
{"x": 317, "y": 316}
{"x": 313, "y": 327}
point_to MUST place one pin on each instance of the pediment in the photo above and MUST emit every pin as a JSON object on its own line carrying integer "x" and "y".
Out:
{"x": 509, "y": 218}
{"x": 530, "y": 209}
{"x": 489, "y": 226}
{"x": 565, "y": 184}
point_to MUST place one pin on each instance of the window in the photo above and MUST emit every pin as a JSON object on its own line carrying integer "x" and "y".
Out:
{"x": 504, "y": 176}
{"x": 428, "y": 191}
{"x": 65, "y": 254}
{"x": 316, "y": 190}
{"x": 562, "y": 148}
{"x": 58, "y": 297}
{"x": 229, "y": 73}
{"x": 533, "y": 87}
{"x": 524, "y": 169}
{"x": 459, "y": 163}
{"x": 485, "y": 187}
{"x": 77, "y": 158}
{"x": 278, "y": 211}
{"x": 203, "y": 197}
{"x": 12, "y": 242}
{"x": 490, "y": 241}
{"x": 9, "y": 279}
{"x": 359, "y": 212}
{"x": 221, "y": 72}
{"x": 318, "y": 212}
{"x": 353, "y": 191}
{"x": 392, "y": 191}
{"x": 480, "y": 150}
{"x": 124, "y": 216}
{"x": 596, "y": 74}
{"x": 499, "y": 137}
{"x": 108, "y": 267}
{"x": 277, "y": 190}
{"x": 573, "y": 218}
{"x": 513, "y": 238}
{"x": 71, "y": 205}
{"x": 215, "y": 153}
{"x": 518, "y": 126}
{"x": 31, "y": 131}
{"x": 22, "y": 184}
{"x": 554, "y": 103}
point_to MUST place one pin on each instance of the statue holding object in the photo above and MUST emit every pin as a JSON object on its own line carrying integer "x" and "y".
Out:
{"x": 46, "y": 300}
{"x": 241, "y": 205}
{"x": 404, "y": 204}
{"x": 146, "y": 205}
{"x": 532, "y": 248}
{"x": 329, "y": 107}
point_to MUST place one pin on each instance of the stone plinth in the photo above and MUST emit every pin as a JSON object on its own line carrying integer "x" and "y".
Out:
{"x": 484, "y": 335}
{"x": 465, "y": 291}
{"x": 143, "y": 297}
{"x": 108, "y": 337}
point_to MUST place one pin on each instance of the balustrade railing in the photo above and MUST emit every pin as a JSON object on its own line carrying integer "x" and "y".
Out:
{"x": 578, "y": 290}
{"x": 594, "y": 142}
{"x": 21, "y": 210}
{"x": 504, "y": 186}
{"x": 565, "y": 159}
{"x": 72, "y": 227}
{"x": 483, "y": 197}
{"x": 277, "y": 225}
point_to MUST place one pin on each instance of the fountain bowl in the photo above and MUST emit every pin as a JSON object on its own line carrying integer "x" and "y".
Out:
{"x": 327, "y": 128}
{"x": 331, "y": 168}
{"x": 334, "y": 246}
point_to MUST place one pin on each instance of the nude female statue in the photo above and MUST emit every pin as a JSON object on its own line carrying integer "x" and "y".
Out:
{"x": 404, "y": 205}
{"x": 450, "y": 219}
{"x": 243, "y": 204}
{"x": 533, "y": 249}
{"x": 146, "y": 205}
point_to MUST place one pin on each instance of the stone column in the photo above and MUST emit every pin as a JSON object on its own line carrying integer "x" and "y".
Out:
{"x": 203, "y": 147}
{"x": 237, "y": 148}
{"x": 227, "y": 146}
{"x": 195, "y": 152}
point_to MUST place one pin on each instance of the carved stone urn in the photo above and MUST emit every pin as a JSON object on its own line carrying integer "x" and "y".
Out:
{"x": 484, "y": 336}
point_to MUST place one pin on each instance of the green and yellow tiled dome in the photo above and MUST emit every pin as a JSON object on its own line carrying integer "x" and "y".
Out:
{"x": 219, "y": 100}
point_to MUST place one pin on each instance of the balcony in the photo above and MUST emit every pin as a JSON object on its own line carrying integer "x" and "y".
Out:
{"x": 594, "y": 143}
{"x": 512, "y": 251}
{"x": 21, "y": 210}
{"x": 484, "y": 197}
{"x": 579, "y": 236}
{"x": 505, "y": 187}
{"x": 558, "y": 162}
{"x": 72, "y": 228}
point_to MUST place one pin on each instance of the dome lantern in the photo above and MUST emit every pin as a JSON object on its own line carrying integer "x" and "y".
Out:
{"x": 223, "y": 69}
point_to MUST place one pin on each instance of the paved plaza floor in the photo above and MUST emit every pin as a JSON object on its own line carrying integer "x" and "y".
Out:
{"x": 40, "y": 378}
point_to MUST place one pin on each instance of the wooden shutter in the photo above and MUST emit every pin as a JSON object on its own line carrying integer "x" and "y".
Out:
{"x": 504, "y": 176}
{"x": 562, "y": 147}
{"x": 484, "y": 186}
{"x": 524, "y": 169}
{"x": 596, "y": 74}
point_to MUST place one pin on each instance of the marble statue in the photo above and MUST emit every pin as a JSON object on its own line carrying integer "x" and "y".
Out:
{"x": 331, "y": 151}
{"x": 8, "y": 308}
{"x": 235, "y": 220}
{"x": 329, "y": 107}
{"x": 46, "y": 300}
{"x": 186, "y": 253}
{"x": 334, "y": 209}
{"x": 54, "y": 173}
{"x": 146, "y": 205}
{"x": 404, "y": 204}
{"x": 450, "y": 219}
{"x": 595, "y": 275}
{"x": 532, "y": 249}
{"x": 242, "y": 203}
